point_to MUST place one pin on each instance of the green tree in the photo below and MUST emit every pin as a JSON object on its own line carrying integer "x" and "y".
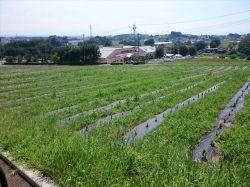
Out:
{"x": 10, "y": 59}
{"x": 233, "y": 35}
{"x": 87, "y": 53}
{"x": 35, "y": 58}
{"x": 244, "y": 46}
{"x": 19, "y": 59}
{"x": 92, "y": 53}
{"x": 188, "y": 43}
{"x": 98, "y": 40}
{"x": 176, "y": 34}
{"x": 213, "y": 45}
{"x": 148, "y": 56}
{"x": 28, "y": 58}
{"x": 232, "y": 45}
{"x": 125, "y": 42}
{"x": 183, "y": 50}
{"x": 175, "y": 49}
{"x": 55, "y": 41}
{"x": 150, "y": 42}
{"x": 55, "y": 58}
{"x": 22, "y": 47}
{"x": 200, "y": 45}
{"x": 192, "y": 50}
{"x": 159, "y": 52}
{"x": 216, "y": 41}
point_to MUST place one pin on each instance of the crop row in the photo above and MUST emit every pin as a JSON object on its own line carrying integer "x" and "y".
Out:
{"x": 73, "y": 95}
{"x": 102, "y": 158}
{"x": 70, "y": 82}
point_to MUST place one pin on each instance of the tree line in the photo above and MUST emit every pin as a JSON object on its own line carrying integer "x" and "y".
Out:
{"x": 54, "y": 49}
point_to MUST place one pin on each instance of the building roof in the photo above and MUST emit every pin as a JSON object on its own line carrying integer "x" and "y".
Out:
{"x": 162, "y": 43}
{"x": 148, "y": 49}
{"x": 106, "y": 51}
{"x": 169, "y": 55}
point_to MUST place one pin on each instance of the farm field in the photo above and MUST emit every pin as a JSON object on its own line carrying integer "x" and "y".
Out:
{"x": 71, "y": 122}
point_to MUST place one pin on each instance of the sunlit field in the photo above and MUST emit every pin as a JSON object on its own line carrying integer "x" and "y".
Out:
{"x": 71, "y": 122}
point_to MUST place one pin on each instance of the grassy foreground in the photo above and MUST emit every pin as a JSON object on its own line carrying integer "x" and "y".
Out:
{"x": 162, "y": 158}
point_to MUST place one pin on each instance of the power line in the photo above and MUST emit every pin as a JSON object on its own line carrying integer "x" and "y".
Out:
{"x": 196, "y": 20}
{"x": 112, "y": 30}
{"x": 109, "y": 31}
{"x": 218, "y": 26}
{"x": 134, "y": 32}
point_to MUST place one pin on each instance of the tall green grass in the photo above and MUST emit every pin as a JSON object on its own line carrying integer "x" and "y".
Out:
{"x": 162, "y": 158}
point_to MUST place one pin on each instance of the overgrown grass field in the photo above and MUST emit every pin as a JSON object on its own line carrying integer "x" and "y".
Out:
{"x": 34, "y": 99}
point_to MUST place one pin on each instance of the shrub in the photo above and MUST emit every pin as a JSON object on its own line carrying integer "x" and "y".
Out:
{"x": 212, "y": 143}
{"x": 116, "y": 63}
{"x": 35, "y": 59}
{"x": 10, "y": 59}
{"x": 233, "y": 56}
{"x": 248, "y": 58}
{"x": 19, "y": 59}
{"x": 222, "y": 56}
{"x": 233, "y": 52}
{"x": 242, "y": 56}
{"x": 139, "y": 62}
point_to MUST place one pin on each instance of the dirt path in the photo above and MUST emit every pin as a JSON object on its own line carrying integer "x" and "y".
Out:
{"x": 13, "y": 179}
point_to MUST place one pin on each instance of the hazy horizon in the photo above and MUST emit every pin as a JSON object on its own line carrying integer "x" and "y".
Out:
{"x": 72, "y": 18}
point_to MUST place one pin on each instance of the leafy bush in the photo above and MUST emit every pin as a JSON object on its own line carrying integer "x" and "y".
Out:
{"x": 222, "y": 56}
{"x": 19, "y": 59}
{"x": 139, "y": 62}
{"x": 116, "y": 63}
{"x": 35, "y": 58}
{"x": 10, "y": 59}
{"x": 248, "y": 58}
{"x": 233, "y": 56}
{"x": 242, "y": 56}
{"x": 233, "y": 52}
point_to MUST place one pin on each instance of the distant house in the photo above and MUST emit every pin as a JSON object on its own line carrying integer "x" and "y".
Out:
{"x": 169, "y": 56}
{"x": 215, "y": 50}
{"x": 4, "y": 40}
{"x": 162, "y": 43}
{"x": 121, "y": 53}
{"x": 221, "y": 50}
{"x": 178, "y": 56}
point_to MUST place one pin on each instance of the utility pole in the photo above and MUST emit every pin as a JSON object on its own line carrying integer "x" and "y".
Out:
{"x": 45, "y": 53}
{"x": 138, "y": 35}
{"x": 0, "y": 54}
{"x": 90, "y": 31}
{"x": 83, "y": 47}
{"x": 17, "y": 46}
{"x": 134, "y": 32}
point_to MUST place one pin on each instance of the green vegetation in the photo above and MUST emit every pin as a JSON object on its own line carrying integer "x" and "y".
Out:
{"x": 159, "y": 52}
{"x": 102, "y": 158}
{"x": 244, "y": 45}
{"x": 235, "y": 143}
{"x": 150, "y": 42}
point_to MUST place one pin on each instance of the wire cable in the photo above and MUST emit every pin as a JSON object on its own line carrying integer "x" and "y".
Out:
{"x": 195, "y": 20}
{"x": 218, "y": 26}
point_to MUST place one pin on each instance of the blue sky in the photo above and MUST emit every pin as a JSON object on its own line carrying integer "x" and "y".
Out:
{"x": 65, "y": 17}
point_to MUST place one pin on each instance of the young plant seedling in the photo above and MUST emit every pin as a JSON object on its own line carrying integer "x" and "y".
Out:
{"x": 204, "y": 155}
{"x": 212, "y": 143}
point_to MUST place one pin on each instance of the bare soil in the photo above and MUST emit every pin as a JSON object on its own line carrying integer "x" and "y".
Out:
{"x": 13, "y": 179}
